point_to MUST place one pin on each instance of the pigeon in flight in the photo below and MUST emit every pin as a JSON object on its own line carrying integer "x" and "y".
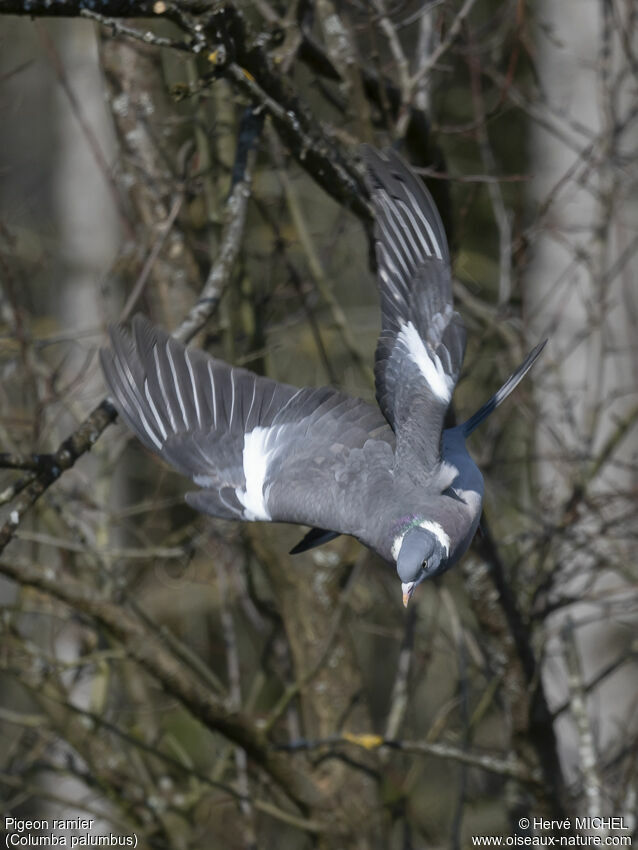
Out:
{"x": 262, "y": 450}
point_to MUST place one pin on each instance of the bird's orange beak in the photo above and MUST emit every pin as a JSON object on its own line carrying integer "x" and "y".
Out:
{"x": 408, "y": 590}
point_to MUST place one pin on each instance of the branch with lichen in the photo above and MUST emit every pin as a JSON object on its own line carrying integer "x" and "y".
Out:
{"x": 151, "y": 654}
{"x": 142, "y": 643}
{"x": 509, "y": 767}
{"x": 235, "y": 53}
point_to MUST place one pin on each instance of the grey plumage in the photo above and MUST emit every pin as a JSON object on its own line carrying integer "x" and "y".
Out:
{"x": 259, "y": 448}
{"x": 263, "y": 450}
{"x": 416, "y": 304}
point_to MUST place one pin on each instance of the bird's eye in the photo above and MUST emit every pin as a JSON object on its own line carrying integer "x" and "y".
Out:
{"x": 424, "y": 565}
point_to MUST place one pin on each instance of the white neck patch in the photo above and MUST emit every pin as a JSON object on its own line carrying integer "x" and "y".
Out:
{"x": 429, "y": 525}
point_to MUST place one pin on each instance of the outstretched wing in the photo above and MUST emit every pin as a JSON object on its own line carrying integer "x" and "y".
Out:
{"x": 422, "y": 342}
{"x": 261, "y": 450}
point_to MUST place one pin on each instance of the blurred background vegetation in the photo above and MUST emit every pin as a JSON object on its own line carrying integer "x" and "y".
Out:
{"x": 183, "y": 678}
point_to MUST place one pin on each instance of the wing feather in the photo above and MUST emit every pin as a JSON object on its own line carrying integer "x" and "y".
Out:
{"x": 422, "y": 341}
{"x": 258, "y": 448}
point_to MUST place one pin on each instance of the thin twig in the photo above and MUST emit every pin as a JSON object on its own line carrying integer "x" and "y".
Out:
{"x": 315, "y": 266}
{"x": 493, "y": 764}
{"x": 401, "y": 62}
{"x": 87, "y": 130}
{"x": 400, "y": 694}
{"x": 221, "y": 270}
{"x": 578, "y": 706}
{"x": 165, "y": 228}
{"x": 151, "y": 654}
{"x": 444, "y": 45}
{"x": 234, "y": 679}
{"x": 322, "y": 657}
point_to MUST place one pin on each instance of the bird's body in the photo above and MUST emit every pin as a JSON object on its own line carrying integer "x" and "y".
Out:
{"x": 261, "y": 450}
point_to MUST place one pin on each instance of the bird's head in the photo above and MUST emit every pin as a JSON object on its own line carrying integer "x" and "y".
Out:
{"x": 422, "y": 555}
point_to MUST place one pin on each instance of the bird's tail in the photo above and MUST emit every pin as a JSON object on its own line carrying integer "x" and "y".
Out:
{"x": 510, "y": 384}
